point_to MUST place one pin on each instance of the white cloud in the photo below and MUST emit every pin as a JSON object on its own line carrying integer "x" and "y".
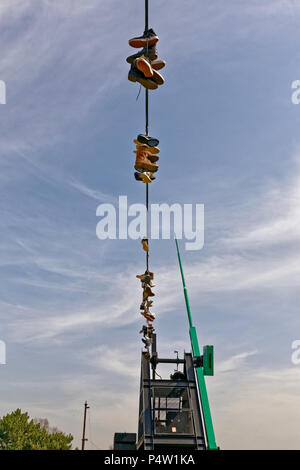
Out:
{"x": 234, "y": 362}
{"x": 92, "y": 193}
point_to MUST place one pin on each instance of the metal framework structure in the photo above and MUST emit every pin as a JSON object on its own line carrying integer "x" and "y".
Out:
{"x": 176, "y": 412}
{"x": 169, "y": 413}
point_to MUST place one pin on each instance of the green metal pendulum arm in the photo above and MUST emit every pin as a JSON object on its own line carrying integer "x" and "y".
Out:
{"x": 209, "y": 430}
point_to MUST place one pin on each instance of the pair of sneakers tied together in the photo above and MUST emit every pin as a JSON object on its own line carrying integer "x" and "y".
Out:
{"x": 147, "y": 331}
{"x": 147, "y": 285}
{"x": 146, "y": 158}
{"x": 145, "y": 64}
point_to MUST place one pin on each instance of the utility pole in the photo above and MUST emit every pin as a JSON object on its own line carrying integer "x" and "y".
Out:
{"x": 86, "y": 407}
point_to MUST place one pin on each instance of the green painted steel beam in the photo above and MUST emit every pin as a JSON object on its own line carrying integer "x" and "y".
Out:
{"x": 208, "y": 424}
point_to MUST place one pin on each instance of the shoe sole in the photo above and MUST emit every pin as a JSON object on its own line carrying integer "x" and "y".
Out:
{"x": 146, "y": 82}
{"x": 146, "y": 167}
{"x": 150, "y": 156}
{"x": 144, "y": 67}
{"x": 153, "y": 150}
{"x": 158, "y": 65}
{"x": 157, "y": 78}
{"x": 148, "y": 141}
{"x": 142, "y": 181}
{"x": 142, "y": 42}
{"x": 147, "y": 181}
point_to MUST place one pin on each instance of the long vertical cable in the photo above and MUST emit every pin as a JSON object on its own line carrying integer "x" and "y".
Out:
{"x": 146, "y": 132}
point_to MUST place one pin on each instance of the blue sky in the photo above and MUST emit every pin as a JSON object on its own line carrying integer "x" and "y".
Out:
{"x": 229, "y": 138}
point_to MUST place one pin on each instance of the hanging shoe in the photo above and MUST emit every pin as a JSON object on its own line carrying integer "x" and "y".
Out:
{"x": 149, "y": 38}
{"x": 147, "y": 356}
{"x": 153, "y": 150}
{"x": 149, "y": 52}
{"x": 146, "y": 304}
{"x": 144, "y": 242}
{"x": 145, "y": 295}
{"x": 147, "y": 342}
{"x": 150, "y": 330}
{"x": 146, "y": 279}
{"x": 135, "y": 75}
{"x": 157, "y": 64}
{"x": 144, "y": 329}
{"x": 146, "y": 273}
{"x": 143, "y": 65}
{"x": 152, "y": 158}
{"x": 150, "y": 274}
{"x": 150, "y": 284}
{"x": 148, "y": 292}
{"x": 145, "y": 139}
{"x": 147, "y": 282}
{"x": 149, "y": 316}
{"x": 158, "y": 78}
{"x": 146, "y": 177}
{"x": 142, "y": 162}
{"x": 138, "y": 177}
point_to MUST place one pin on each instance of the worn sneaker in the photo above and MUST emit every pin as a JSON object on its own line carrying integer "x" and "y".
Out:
{"x": 139, "y": 176}
{"x": 139, "y": 145}
{"x": 149, "y": 52}
{"x": 146, "y": 177}
{"x": 136, "y": 75}
{"x": 144, "y": 242}
{"x": 146, "y": 139}
{"x": 148, "y": 292}
{"x": 144, "y": 305}
{"x": 152, "y": 158}
{"x": 149, "y": 316}
{"x": 145, "y": 279}
{"x": 158, "y": 64}
{"x": 149, "y": 38}
{"x": 142, "y": 162}
{"x": 147, "y": 282}
{"x": 144, "y": 66}
{"x": 150, "y": 330}
{"x": 147, "y": 342}
{"x": 158, "y": 78}
{"x": 147, "y": 273}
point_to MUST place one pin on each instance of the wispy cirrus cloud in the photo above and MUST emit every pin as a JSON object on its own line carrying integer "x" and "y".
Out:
{"x": 70, "y": 303}
{"x": 93, "y": 193}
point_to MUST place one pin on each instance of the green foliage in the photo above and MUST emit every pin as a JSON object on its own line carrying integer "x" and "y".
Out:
{"x": 18, "y": 432}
